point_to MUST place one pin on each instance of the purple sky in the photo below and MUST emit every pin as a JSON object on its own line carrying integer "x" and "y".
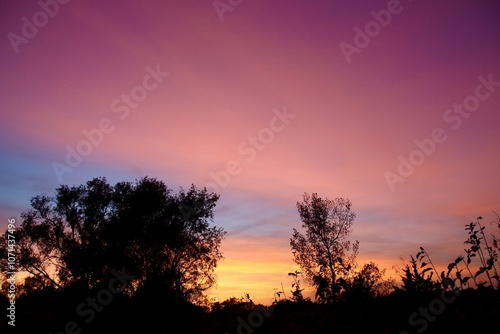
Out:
{"x": 261, "y": 102}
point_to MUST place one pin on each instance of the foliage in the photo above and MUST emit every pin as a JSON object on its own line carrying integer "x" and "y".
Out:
{"x": 297, "y": 295}
{"x": 415, "y": 277}
{"x": 233, "y": 303}
{"x": 323, "y": 253}
{"x": 479, "y": 249}
{"x": 82, "y": 233}
{"x": 368, "y": 283}
{"x": 69, "y": 243}
{"x": 496, "y": 241}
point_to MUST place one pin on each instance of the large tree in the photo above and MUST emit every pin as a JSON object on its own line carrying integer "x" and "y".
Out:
{"x": 325, "y": 255}
{"x": 165, "y": 241}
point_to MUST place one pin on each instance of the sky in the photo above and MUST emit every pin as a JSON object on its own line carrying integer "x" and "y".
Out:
{"x": 392, "y": 104}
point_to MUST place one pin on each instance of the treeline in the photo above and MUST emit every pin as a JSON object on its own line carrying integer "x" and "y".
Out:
{"x": 137, "y": 257}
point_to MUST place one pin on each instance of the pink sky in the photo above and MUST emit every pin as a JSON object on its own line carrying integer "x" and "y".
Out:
{"x": 227, "y": 80}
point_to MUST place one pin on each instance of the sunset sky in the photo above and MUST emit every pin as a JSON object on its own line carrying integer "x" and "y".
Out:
{"x": 261, "y": 101}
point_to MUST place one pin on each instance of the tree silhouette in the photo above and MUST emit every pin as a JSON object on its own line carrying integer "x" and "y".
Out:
{"x": 77, "y": 237}
{"x": 323, "y": 253}
{"x": 368, "y": 283}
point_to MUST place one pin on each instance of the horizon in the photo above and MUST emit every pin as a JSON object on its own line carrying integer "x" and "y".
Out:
{"x": 391, "y": 104}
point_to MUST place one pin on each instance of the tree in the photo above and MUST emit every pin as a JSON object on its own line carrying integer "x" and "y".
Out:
{"x": 83, "y": 233}
{"x": 323, "y": 253}
{"x": 368, "y": 283}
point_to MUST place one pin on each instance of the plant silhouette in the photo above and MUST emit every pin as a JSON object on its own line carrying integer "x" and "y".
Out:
{"x": 164, "y": 248}
{"x": 78, "y": 236}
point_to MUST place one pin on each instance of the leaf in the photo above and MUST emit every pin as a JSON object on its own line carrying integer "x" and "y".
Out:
{"x": 423, "y": 264}
{"x": 479, "y": 272}
{"x": 426, "y": 270}
{"x": 466, "y": 279}
{"x": 458, "y": 259}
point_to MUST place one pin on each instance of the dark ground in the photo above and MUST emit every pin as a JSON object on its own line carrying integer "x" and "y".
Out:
{"x": 472, "y": 311}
